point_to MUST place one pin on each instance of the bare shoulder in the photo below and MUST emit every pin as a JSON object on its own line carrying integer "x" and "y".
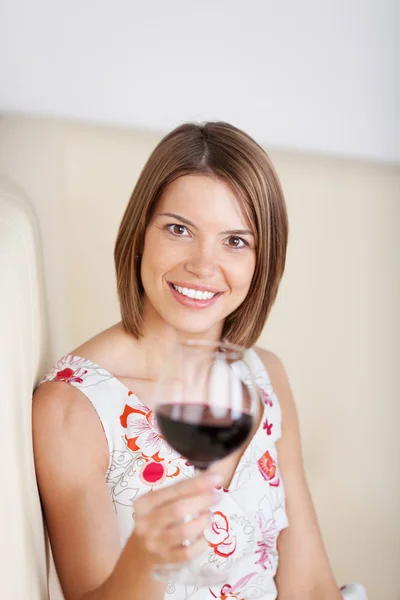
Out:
{"x": 275, "y": 368}
{"x": 65, "y": 422}
{"x": 280, "y": 382}
{"x": 62, "y": 400}
{"x": 100, "y": 345}
{"x": 108, "y": 348}
{"x": 60, "y": 406}
{"x": 271, "y": 361}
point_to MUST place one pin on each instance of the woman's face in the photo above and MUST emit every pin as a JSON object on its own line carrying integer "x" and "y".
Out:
{"x": 199, "y": 256}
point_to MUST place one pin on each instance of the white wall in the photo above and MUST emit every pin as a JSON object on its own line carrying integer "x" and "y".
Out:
{"x": 314, "y": 75}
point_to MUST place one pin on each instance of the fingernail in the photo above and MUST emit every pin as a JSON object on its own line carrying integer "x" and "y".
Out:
{"x": 214, "y": 478}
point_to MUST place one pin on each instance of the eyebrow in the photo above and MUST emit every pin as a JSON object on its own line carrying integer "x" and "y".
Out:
{"x": 190, "y": 224}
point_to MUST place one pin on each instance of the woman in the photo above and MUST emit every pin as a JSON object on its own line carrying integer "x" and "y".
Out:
{"x": 207, "y": 219}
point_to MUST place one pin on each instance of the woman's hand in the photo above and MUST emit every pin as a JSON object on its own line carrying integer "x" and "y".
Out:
{"x": 164, "y": 520}
{"x": 169, "y": 523}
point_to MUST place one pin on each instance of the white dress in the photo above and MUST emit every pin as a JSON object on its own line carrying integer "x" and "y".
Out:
{"x": 251, "y": 513}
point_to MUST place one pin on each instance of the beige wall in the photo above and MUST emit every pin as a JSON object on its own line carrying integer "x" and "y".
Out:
{"x": 336, "y": 322}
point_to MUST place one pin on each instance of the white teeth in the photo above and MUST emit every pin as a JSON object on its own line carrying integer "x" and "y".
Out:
{"x": 196, "y": 294}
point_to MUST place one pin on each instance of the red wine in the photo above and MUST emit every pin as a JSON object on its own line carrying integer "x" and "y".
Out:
{"x": 201, "y": 433}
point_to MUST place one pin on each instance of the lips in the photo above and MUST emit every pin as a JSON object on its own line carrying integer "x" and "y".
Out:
{"x": 194, "y": 297}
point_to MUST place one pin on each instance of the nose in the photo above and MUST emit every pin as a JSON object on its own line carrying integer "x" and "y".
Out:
{"x": 201, "y": 261}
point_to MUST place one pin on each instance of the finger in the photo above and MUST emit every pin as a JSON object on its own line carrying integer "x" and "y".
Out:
{"x": 187, "y": 553}
{"x": 188, "y": 488}
{"x": 183, "y": 554}
{"x": 173, "y": 537}
{"x": 177, "y": 512}
{"x": 180, "y": 510}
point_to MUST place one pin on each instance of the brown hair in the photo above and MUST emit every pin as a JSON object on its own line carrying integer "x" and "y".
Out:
{"x": 223, "y": 151}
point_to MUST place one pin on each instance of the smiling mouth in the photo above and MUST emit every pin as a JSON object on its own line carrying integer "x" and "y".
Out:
{"x": 195, "y": 294}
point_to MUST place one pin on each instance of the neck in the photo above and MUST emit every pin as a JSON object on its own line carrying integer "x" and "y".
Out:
{"x": 158, "y": 338}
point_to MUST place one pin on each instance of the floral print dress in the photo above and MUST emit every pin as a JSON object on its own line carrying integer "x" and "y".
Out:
{"x": 251, "y": 512}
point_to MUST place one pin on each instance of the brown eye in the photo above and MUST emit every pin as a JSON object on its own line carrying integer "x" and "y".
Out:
{"x": 236, "y": 242}
{"x": 178, "y": 230}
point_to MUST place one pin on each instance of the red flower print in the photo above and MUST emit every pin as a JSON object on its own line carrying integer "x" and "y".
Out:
{"x": 227, "y": 596}
{"x": 142, "y": 433}
{"x": 234, "y": 592}
{"x": 268, "y": 427}
{"x": 153, "y": 473}
{"x": 128, "y": 410}
{"x": 268, "y": 469}
{"x": 70, "y": 376}
{"x": 219, "y": 537}
{"x": 266, "y": 397}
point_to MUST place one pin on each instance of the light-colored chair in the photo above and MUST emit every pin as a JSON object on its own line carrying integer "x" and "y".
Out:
{"x": 23, "y": 570}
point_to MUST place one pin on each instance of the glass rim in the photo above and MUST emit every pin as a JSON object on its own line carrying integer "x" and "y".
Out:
{"x": 222, "y": 349}
{"x": 211, "y": 344}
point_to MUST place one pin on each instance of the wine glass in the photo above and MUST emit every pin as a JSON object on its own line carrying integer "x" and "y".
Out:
{"x": 206, "y": 404}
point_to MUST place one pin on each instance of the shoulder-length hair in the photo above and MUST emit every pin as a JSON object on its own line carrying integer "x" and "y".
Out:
{"x": 223, "y": 151}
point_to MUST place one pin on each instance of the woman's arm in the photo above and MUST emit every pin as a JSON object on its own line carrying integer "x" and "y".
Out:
{"x": 130, "y": 579}
{"x": 71, "y": 458}
{"x": 304, "y": 572}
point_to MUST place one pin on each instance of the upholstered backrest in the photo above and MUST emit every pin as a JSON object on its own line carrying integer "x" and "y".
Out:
{"x": 22, "y": 357}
